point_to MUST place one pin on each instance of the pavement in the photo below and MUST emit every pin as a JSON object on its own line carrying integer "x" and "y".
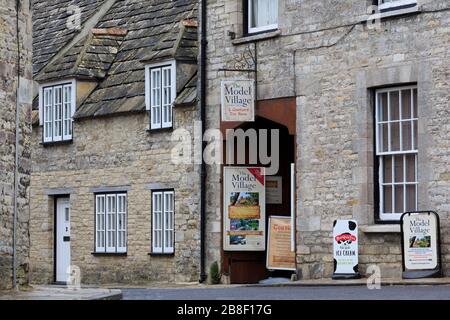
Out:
{"x": 270, "y": 293}
{"x": 55, "y": 292}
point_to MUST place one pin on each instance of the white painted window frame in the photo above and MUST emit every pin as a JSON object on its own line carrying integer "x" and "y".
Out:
{"x": 107, "y": 222}
{"x": 394, "y": 3}
{"x": 163, "y": 222}
{"x": 149, "y": 98}
{"x": 44, "y": 118}
{"x": 382, "y": 154}
{"x": 261, "y": 28}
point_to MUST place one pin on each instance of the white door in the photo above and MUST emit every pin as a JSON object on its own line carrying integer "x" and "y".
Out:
{"x": 62, "y": 239}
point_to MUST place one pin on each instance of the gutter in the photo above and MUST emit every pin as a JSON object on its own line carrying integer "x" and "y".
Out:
{"x": 203, "y": 44}
{"x": 16, "y": 161}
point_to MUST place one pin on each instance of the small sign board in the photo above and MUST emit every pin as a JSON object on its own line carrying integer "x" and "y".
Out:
{"x": 420, "y": 245}
{"x": 238, "y": 100}
{"x": 279, "y": 253}
{"x": 345, "y": 249}
{"x": 274, "y": 189}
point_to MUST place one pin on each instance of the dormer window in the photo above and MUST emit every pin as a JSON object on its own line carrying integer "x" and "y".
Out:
{"x": 56, "y": 109}
{"x": 262, "y": 15}
{"x": 388, "y": 5}
{"x": 160, "y": 93}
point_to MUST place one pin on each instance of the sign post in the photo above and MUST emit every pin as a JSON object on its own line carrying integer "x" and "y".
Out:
{"x": 244, "y": 209}
{"x": 421, "y": 252}
{"x": 345, "y": 249}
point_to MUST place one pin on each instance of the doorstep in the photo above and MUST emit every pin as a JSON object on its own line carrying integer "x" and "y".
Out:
{"x": 56, "y": 292}
{"x": 361, "y": 282}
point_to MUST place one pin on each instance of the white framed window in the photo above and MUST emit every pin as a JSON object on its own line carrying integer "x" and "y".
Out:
{"x": 56, "y": 109}
{"x": 160, "y": 93}
{"x": 394, "y": 4}
{"x": 396, "y": 132}
{"x": 163, "y": 219}
{"x": 111, "y": 223}
{"x": 262, "y": 15}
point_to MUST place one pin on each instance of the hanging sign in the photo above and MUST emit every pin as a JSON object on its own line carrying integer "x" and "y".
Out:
{"x": 279, "y": 253}
{"x": 238, "y": 100}
{"x": 345, "y": 249}
{"x": 420, "y": 244}
{"x": 244, "y": 209}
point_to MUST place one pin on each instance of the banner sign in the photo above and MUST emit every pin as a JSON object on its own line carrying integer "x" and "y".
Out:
{"x": 420, "y": 244}
{"x": 345, "y": 249}
{"x": 274, "y": 189}
{"x": 244, "y": 209}
{"x": 279, "y": 253}
{"x": 238, "y": 100}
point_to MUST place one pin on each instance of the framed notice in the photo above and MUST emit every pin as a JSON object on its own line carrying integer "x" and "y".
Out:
{"x": 238, "y": 100}
{"x": 244, "y": 209}
{"x": 279, "y": 253}
{"x": 345, "y": 249}
{"x": 420, "y": 244}
{"x": 274, "y": 189}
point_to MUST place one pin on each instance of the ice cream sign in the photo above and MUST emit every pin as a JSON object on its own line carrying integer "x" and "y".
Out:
{"x": 238, "y": 100}
{"x": 345, "y": 249}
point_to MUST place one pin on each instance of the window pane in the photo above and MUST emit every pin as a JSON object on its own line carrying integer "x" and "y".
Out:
{"x": 415, "y": 114}
{"x": 387, "y": 164}
{"x": 415, "y": 129}
{"x": 406, "y": 136}
{"x": 410, "y": 160}
{"x": 398, "y": 199}
{"x": 387, "y": 197}
{"x": 263, "y": 13}
{"x": 383, "y": 107}
{"x": 406, "y": 104}
{"x": 383, "y": 139}
{"x": 410, "y": 197}
{"x": 398, "y": 168}
{"x": 394, "y": 105}
{"x": 395, "y": 136}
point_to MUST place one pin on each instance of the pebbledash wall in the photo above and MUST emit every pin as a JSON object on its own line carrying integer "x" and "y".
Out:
{"x": 116, "y": 151}
{"x": 9, "y": 47}
{"x": 327, "y": 56}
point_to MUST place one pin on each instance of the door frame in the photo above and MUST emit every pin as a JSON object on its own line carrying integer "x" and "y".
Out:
{"x": 55, "y": 230}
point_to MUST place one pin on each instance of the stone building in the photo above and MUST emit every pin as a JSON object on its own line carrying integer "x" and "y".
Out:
{"x": 15, "y": 95}
{"x": 114, "y": 198}
{"x": 325, "y": 73}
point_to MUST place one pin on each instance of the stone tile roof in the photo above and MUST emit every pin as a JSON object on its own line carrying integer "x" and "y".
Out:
{"x": 155, "y": 30}
{"x": 90, "y": 58}
{"x": 50, "y": 31}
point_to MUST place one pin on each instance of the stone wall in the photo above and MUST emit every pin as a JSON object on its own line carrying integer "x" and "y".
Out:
{"x": 117, "y": 151}
{"x": 326, "y": 57}
{"x": 9, "y": 68}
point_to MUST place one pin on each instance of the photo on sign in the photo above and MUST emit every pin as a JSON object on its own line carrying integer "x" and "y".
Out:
{"x": 420, "y": 242}
{"x": 244, "y": 224}
{"x": 238, "y": 240}
{"x": 244, "y": 205}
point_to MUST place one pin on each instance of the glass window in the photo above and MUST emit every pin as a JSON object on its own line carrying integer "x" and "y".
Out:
{"x": 262, "y": 15}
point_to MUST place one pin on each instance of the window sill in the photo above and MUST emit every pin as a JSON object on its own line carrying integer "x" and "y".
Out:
{"x": 392, "y": 13}
{"x": 256, "y": 37}
{"x": 169, "y": 129}
{"x": 162, "y": 254}
{"x": 106, "y": 254}
{"x": 381, "y": 228}
{"x": 56, "y": 143}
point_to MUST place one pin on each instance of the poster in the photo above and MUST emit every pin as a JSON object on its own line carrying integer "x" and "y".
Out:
{"x": 279, "y": 253}
{"x": 345, "y": 249}
{"x": 420, "y": 241}
{"x": 238, "y": 100}
{"x": 244, "y": 209}
{"x": 274, "y": 190}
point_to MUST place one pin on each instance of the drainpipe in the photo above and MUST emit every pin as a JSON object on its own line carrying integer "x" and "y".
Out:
{"x": 203, "y": 119}
{"x": 16, "y": 161}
